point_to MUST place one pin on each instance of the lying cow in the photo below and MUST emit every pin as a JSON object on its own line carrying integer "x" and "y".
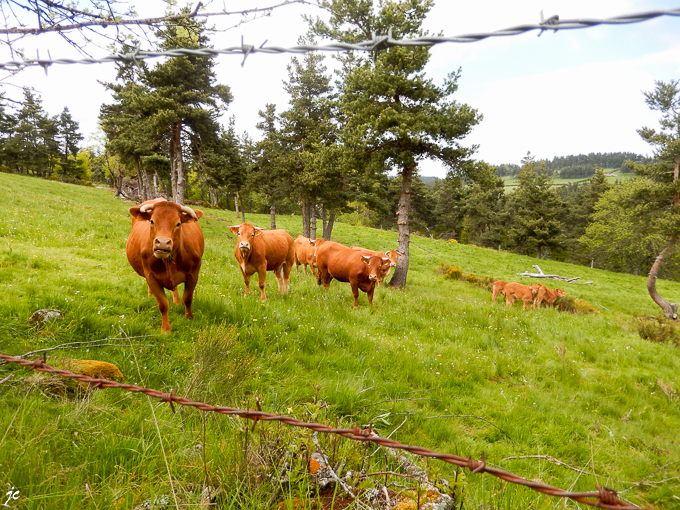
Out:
{"x": 514, "y": 291}
{"x": 259, "y": 250}
{"x": 347, "y": 265}
{"x": 393, "y": 255}
{"x": 545, "y": 294}
{"x": 165, "y": 247}
{"x": 498, "y": 289}
{"x": 304, "y": 251}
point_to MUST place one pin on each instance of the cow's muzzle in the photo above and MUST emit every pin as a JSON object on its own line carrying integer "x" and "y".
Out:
{"x": 162, "y": 248}
{"x": 372, "y": 276}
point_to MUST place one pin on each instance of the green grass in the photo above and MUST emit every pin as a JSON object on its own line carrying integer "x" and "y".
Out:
{"x": 512, "y": 182}
{"x": 437, "y": 348}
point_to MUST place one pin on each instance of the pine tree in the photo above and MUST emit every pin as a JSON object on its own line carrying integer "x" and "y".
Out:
{"x": 533, "y": 211}
{"x": 67, "y": 138}
{"x": 393, "y": 114}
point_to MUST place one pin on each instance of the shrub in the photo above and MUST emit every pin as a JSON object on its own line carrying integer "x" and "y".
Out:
{"x": 53, "y": 178}
{"x": 442, "y": 268}
{"x": 486, "y": 282}
{"x": 659, "y": 330}
{"x": 471, "y": 278}
{"x": 575, "y": 306}
{"x": 454, "y": 273}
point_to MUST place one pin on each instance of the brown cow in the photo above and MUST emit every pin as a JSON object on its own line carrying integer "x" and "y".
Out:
{"x": 165, "y": 247}
{"x": 393, "y": 255}
{"x": 304, "y": 251}
{"x": 545, "y": 294}
{"x": 515, "y": 291}
{"x": 498, "y": 288}
{"x": 347, "y": 265}
{"x": 317, "y": 242}
{"x": 259, "y": 250}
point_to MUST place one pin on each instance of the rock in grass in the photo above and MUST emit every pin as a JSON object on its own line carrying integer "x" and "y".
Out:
{"x": 45, "y": 316}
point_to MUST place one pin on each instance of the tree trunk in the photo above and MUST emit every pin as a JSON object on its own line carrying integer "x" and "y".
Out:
{"x": 156, "y": 192}
{"x": 240, "y": 199}
{"x": 176, "y": 167}
{"x": 401, "y": 271}
{"x": 312, "y": 229}
{"x": 323, "y": 219}
{"x": 272, "y": 217}
{"x": 305, "y": 216}
{"x": 670, "y": 310}
{"x": 328, "y": 227}
{"x": 236, "y": 205}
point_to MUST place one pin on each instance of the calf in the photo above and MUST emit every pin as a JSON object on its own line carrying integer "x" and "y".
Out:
{"x": 498, "y": 288}
{"x": 347, "y": 265}
{"x": 393, "y": 255}
{"x": 317, "y": 243}
{"x": 304, "y": 251}
{"x": 165, "y": 246}
{"x": 545, "y": 294}
{"x": 259, "y": 251}
{"x": 515, "y": 291}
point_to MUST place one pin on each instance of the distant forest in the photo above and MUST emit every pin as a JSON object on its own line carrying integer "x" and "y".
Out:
{"x": 581, "y": 166}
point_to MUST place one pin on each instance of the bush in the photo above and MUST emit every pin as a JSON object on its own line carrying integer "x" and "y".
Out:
{"x": 471, "y": 278}
{"x": 454, "y": 273}
{"x": 658, "y": 330}
{"x": 575, "y": 306}
{"x": 442, "y": 268}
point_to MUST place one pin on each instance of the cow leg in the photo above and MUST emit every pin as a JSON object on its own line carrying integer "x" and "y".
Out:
{"x": 509, "y": 300}
{"x": 163, "y": 303}
{"x": 279, "y": 280}
{"x": 261, "y": 274}
{"x": 188, "y": 295}
{"x": 286, "y": 277}
{"x": 175, "y": 295}
{"x": 355, "y": 293}
{"x": 311, "y": 268}
{"x": 246, "y": 281}
{"x": 369, "y": 294}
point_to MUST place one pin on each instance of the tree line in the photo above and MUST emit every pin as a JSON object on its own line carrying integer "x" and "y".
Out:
{"x": 348, "y": 146}
{"x": 580, "y": 166}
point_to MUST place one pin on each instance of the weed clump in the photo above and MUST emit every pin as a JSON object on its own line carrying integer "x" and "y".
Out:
{"x": 659, "y": 330}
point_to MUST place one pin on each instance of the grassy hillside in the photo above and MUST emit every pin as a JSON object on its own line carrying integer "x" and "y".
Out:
{"x": 511, "y": 182}
{"x": 435, "y": 364}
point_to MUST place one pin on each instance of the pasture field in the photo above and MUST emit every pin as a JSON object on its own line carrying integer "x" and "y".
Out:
{"x": 512, "y": 182}
{"x": 435, "y": 365}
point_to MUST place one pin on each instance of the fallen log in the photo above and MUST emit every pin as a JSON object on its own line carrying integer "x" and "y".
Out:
{"x": 541, "y": 274}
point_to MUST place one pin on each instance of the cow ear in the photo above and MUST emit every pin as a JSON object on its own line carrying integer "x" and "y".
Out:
{"x": 399, "y": 254}
{"x": 187, "y": 218}
{"x": 313, "y": 243}
{"x": 258, "y": 231}
{"x": 365, "y": 259}
{"x": 142, "y": 216}
{"x": 234, "y": 229}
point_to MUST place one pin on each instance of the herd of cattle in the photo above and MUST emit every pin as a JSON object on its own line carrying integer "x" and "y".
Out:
{"x": 166, "y": 245}
{"x": 534, "y": 294}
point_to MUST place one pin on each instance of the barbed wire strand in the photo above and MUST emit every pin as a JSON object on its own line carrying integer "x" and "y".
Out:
{"x": 601, "y": 498}
{"x": 377, "y": 42}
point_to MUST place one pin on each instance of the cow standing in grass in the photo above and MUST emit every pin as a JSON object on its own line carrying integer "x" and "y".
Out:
{"x": 498, "y": 289}
{"x": 304, "y": 251}
{"x": 542, "y": 293}
{"x": 259, "y": 250}
{"x": 165, "y": 246}
{"x": 347, "y": 265}
{"x": 514, "y": 291}
{"x": 393, "y": 255}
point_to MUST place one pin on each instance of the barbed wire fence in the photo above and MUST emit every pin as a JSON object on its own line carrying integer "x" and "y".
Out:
{"x": 376, "y": 43}
{"x": 603, "y": 497}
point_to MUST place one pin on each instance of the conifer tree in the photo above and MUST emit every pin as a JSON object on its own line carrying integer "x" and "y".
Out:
{"x": 394, "y": 115}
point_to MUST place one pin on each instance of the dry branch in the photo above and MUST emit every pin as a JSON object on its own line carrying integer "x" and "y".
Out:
{"x": 541, "y": 274}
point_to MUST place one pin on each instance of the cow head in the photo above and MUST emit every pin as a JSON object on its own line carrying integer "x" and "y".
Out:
{"x": 246, "y": 235}
{"x": 559, "y": 293}
{"x": 393, "y": 255}
{"x": 165, "y": 224}
{"x": 316, "y": 243}
{"x": 375, "y": 264}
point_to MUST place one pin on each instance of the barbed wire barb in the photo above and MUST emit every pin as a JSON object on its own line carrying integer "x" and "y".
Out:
{"x": 377, "y": 42}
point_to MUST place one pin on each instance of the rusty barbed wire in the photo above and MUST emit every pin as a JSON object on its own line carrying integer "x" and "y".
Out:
{"x": 377, "y": 42}
{"x": 603, "y": 497}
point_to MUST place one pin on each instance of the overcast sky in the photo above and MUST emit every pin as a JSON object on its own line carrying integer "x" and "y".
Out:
{"x": 570, "y": 92}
